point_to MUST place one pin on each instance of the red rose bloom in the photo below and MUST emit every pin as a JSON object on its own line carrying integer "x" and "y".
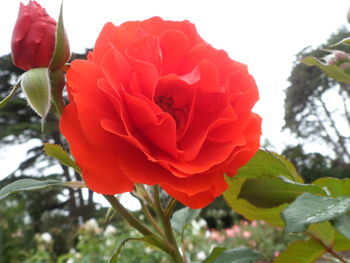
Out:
{"x": 33, "y": 38}
{"x": 155, "y": 104}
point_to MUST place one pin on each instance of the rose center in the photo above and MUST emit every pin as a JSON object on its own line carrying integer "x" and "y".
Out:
{"x": 167, "y": 103}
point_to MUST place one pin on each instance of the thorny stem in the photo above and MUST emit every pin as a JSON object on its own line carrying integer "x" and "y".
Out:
{"x": 328, "y": 249}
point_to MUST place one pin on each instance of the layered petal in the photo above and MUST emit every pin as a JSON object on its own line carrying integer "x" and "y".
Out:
{"x": 155, "y": 104}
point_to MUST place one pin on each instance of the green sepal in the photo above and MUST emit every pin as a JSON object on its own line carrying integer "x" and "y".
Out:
{"x": 61, "y": 53}
{"x": 37, "y": 90}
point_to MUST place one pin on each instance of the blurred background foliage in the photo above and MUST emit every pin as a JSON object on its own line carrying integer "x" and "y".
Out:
{"x": 316, "y": 113}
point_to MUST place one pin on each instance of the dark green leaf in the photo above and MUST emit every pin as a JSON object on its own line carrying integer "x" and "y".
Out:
{"x": 263, "y": 164}
{"x": 214, "y": 254}
{"x": 249, "y": 211}
{"x": 308, "y": 209}
{"x": 268, "y": 192}
{"x": 301, "y": 252}
{"x": 26, "y": 185}
{"x": 331, "y": 71}
{"x": 182, "y": 217}
{"x": 342, "y": 224}
{"x": 57, "y": 152}
{"x": 236, "y": 255}
{"x": 61, "y": 53}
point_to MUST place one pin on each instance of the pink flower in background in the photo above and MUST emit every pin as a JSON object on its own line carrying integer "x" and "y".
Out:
{"x": 230, "y": 232}
{"x": 236, "y": 229}
{"x": 247, "y": 234}
{"x": 254, "y": 223}
{"x": 215, "y": 235}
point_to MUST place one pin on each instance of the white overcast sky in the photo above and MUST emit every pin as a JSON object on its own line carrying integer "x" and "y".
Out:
{"x": 265, "y": 35}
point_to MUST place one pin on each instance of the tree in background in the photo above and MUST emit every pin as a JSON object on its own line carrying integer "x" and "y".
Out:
{"x": 317, "y": 112}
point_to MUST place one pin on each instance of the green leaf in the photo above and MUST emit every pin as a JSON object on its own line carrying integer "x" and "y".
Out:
{"x": 268, "y": 192}
{"x": 150, "y": 240}
{"x": 182, "y": 217}
{"x": 345, "y": 41}
{"x": 323, "y": 231}
{"x": 249, "y": 211}
{"x": 214, "y": 254}
{"x": 8, "y": 97}
{"x": 334, "y": 186}
{"x": 341, "y": 243}
{"x": 27, "y": 185}
{"x": 269, "y": 163}
{"x": 61, "y": 53}
{"x": 301, "y": 252}
{"x": 56, "y": 151}
{"x": 342, "y": 224}
{"x": 263, "y": 164}
{"x": 236, "y": 255}
{"x": 331, "y": 71}
{"x": 308, "y": 209}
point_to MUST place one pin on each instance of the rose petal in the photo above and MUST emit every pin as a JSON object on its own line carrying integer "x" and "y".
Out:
{"x": 92, "y": 104}
{"x": 100, "y": 168}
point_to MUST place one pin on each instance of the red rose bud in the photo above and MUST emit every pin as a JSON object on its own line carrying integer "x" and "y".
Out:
{"x": 33, "y": 38}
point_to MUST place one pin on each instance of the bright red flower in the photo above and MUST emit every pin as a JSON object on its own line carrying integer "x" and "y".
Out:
{"x": 155, "y": 104}
{"x": 33, "y": 38}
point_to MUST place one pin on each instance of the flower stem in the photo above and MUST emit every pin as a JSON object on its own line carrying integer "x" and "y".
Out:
{"x": 169, "y": 209}
{"x": 130, "y": 218}
{"x": 328, "y": 249}
{"x": 167, "y": 228}
{"x": 166, "y": 246}
{"x": 150, "y": 218}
